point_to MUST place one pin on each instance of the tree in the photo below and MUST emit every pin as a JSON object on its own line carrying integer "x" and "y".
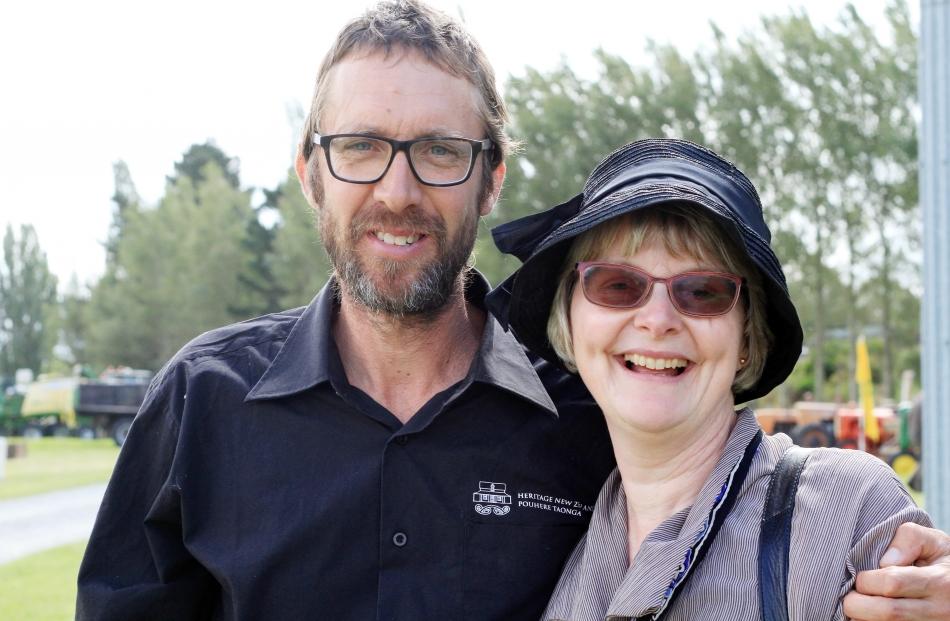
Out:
{"x": 197, "y": 157}
{"x": 127, "y": 202}
{"x": 257, "y": 274}
{"x": 177, "y": 272}
{"x": 882, "y": 156}
{"x": 860, "y": 96}
{"x": 300, "y": 265}
{"x": 27, "y": 295}
{"x": 74, "y": 322}
{"x": 820, "y": 119}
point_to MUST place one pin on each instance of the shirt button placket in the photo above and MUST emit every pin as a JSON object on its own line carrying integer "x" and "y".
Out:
{"x": 399, "y": 538}
{"x": 399, "y": 563}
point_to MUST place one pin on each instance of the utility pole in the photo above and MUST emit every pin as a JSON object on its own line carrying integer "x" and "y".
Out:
{"x": 934, "y": 90}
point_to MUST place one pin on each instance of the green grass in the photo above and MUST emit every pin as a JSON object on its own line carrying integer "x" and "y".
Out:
{"x": 57, "y": 463}
{"x": 41, "y": 587}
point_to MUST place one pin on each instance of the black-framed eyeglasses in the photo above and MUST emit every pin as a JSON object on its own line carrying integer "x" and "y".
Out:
{"x": 436, "y": 161}
{"x": 697, "y": 294}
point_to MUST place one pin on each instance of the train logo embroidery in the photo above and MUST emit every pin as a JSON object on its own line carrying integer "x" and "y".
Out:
{"x": 491, "y": 498}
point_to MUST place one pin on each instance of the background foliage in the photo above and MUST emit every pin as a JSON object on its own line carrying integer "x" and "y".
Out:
{"x": 822, "y": 120}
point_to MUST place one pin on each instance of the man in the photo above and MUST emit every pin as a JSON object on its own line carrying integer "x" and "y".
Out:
{"x": 387, "y": 452}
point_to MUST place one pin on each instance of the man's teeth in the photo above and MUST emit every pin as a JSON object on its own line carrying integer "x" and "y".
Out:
{"x": 654, "y": 363}
{"x": 396, "y": 240}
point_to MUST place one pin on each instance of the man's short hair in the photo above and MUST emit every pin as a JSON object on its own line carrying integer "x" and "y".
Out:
{"x": 400, "y": 26}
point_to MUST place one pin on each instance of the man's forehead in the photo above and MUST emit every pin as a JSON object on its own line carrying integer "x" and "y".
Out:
{"x": 370, "y": 92}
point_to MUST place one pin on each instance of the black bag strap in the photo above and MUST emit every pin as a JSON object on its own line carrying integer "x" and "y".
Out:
{"x": 776, "y": 533}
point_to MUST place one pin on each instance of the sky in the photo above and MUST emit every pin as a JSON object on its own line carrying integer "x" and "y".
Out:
{"x": 84, "y": 84}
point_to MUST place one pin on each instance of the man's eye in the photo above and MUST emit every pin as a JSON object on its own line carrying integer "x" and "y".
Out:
{"x": 442, "y": 150}
{"x": 361, "y": 145}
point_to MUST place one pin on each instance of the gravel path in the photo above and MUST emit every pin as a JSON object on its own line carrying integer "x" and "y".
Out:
{"x": 36, "y": 523}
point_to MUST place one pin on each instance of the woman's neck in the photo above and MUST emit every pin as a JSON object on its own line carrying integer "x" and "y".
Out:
{"x": 663, "y": 473}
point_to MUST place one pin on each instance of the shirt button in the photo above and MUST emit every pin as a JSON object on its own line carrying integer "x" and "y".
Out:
{"x": 402, "y": 439}
{"x": 399, "y": 539}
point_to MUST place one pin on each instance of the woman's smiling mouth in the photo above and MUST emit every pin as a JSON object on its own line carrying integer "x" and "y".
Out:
{"x": 640, "y": 363}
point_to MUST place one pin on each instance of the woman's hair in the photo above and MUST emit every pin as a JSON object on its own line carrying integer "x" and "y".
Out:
{"x": 685, "y": 232}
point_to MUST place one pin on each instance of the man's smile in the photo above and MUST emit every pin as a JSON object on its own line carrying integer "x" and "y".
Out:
{"x": 396, "y": 240}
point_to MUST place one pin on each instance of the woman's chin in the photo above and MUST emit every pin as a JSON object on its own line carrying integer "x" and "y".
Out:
{"x": 648, "y": 418}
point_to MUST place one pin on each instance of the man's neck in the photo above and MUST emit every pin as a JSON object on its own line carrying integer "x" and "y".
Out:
{"x": 403, "y": 362}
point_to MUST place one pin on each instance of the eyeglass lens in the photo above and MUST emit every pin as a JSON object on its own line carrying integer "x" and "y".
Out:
{"x": 438, "y": 161}
{"x": 701, "y": 294}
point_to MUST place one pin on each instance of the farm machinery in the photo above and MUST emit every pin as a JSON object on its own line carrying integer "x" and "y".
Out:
{"x": 63, "y": 406}
{"x": 815, "y": 424}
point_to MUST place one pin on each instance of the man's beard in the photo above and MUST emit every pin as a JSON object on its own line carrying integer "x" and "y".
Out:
{"x": 435, "y": 282}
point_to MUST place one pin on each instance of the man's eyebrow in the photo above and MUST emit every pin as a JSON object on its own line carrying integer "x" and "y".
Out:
{"x": 362, "y": 129}
{"x": 444, "y": 132}
{"x": 431, "y": 132}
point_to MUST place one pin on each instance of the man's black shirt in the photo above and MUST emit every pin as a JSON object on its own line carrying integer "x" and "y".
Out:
{"x": 258, "y": 483}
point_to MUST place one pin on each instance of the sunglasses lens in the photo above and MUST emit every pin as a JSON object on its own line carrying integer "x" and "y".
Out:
{"x": 614, "y": 286}
{"x": 703, "y": 294}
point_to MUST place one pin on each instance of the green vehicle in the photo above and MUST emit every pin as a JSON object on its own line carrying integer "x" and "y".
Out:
{"x": 10, "y": 403}
{"x": 37, "y": 408}
{"x": 63, "y": 406}
{"x": 904, "y": 456}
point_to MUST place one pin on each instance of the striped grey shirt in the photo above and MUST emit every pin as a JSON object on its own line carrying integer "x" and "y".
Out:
{"x": 848, "y": 507}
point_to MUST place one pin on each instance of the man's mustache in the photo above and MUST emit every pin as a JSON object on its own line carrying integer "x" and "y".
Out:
{"x": 412, "y": 218}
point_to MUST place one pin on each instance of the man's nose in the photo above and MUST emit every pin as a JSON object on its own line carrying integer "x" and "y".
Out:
{"x": 399, "y": 188}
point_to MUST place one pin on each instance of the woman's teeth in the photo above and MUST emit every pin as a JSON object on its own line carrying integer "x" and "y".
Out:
{"x": 396, "y": 240}
{"x": 654, "y": 364}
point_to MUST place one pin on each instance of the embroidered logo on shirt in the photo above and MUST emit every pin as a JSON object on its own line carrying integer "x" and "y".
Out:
{"x": 491, "y": 498}
{"x": 546, "y": 502}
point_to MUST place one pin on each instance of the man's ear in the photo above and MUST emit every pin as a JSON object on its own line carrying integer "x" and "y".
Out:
{"x": 303, "y": 176}
{"x": 497, "y": 179}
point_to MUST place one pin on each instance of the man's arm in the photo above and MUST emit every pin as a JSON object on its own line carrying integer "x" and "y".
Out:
{"x": 136, "y": 565}
{"x": 913, "y": 584}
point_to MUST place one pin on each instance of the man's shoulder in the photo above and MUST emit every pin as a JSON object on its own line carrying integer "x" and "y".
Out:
{"x": 235, "y": 347}
{"x": 259, "y": 333}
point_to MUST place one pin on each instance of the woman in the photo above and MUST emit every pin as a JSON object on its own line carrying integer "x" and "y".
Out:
{"x": 659, "y": 287}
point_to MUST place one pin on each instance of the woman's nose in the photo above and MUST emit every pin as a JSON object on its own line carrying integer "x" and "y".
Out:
{"x": 658, "y": 315}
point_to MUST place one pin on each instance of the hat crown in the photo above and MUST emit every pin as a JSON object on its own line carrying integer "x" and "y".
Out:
{"x": 683, "y": 164}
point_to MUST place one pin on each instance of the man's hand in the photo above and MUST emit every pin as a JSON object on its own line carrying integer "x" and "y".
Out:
{"x": 913, "y": 584}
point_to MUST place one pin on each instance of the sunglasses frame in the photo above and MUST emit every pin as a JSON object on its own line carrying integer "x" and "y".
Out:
{"x": 582, "y": 266}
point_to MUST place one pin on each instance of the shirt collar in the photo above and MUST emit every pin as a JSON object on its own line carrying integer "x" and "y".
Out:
{"x": 303, "y": 361}
{"x": 502, "y": 362}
